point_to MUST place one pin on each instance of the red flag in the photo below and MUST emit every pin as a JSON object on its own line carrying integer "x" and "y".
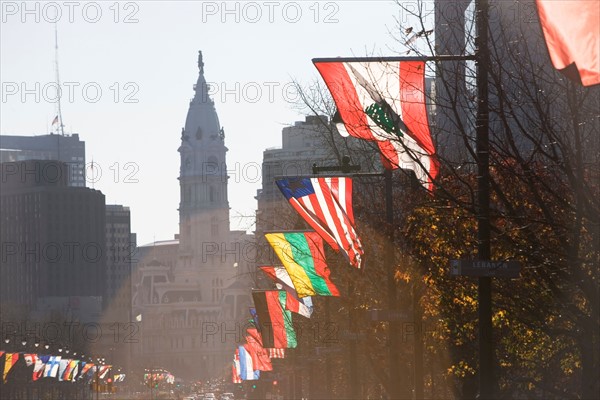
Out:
{"x": 271, "y": 352}
{"x": 260, "y": 356}
{"x": 384, "y": 102}
{"x": 235, "y": 378}
{"x": 235, "y": 368}
{"x": 572, "y": 32}
{"x": 275, "y": 324}
{"x": 276, "y": 353}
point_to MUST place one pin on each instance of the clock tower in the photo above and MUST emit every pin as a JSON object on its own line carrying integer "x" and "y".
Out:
{"x": 203, "y": 207}
{"x": 194, "y": 292}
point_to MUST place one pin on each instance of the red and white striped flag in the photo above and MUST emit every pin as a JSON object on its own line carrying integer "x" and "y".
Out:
{"x": 326, "y": 205}
{"x": 104, "y": 370}
{"x": 384, "y": 102}
{"x": 235, "y": 378}
{"x": 276, "y": 353}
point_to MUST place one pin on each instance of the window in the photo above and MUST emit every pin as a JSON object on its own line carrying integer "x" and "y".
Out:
{"x": 212, "y": 195}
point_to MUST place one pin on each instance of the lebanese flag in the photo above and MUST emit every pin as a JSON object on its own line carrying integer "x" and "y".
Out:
{"x": 384, "y": 102}
{"x": 572, "y": 32}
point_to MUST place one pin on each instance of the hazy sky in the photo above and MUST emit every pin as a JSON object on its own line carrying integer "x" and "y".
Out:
{"x": 127, "y": 71}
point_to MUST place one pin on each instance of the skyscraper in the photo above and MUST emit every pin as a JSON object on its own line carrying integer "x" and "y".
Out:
{"x": 68, "y": 149}
{"x": 53, "y": 242}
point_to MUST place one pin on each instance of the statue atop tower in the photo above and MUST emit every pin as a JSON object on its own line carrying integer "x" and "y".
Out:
{"x": 200, "y": 62}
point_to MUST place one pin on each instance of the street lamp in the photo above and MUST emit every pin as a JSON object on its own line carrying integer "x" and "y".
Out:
{"x": 24, "y": 342}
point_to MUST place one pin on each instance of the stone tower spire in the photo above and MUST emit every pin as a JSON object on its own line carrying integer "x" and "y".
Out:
{"x": 203, "y": 207}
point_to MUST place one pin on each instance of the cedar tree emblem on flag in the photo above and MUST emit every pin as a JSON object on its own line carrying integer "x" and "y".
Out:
{"x": 384, "y": 102}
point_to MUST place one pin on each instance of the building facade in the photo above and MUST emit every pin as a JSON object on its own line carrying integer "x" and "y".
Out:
{"x": 119, "y": 253}
{"x": 66, "y": 148}
{"x": 53, "y": 241}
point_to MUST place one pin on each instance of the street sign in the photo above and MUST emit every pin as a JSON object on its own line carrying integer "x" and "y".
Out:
{"x": 496, "y": 269}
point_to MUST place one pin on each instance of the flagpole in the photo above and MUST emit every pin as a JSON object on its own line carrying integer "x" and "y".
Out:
{"x": 394, "y": 335}
{"x": 484, "y": 290}
{"x": 441, "y": 57}
{"x": 60, "y": 127}
{"x": 395, "y": 374}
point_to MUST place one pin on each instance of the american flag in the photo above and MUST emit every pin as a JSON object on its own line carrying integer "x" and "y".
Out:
{"x": 326, "y": 205}
{"x": 276, "y": 353}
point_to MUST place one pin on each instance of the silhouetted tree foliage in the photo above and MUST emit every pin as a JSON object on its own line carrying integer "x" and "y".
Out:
{"x": 545, "y": 212}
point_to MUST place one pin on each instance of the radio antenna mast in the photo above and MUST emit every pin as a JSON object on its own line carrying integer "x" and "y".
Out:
{"x": 61, "y": 125}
